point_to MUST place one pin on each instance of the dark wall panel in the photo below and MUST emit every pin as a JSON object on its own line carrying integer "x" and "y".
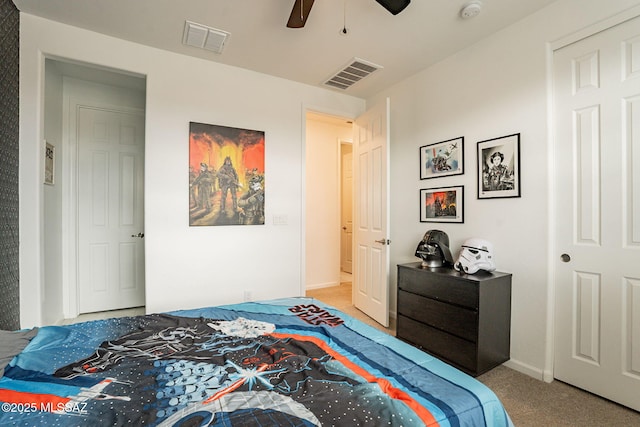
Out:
{"x": 9, "y": 201}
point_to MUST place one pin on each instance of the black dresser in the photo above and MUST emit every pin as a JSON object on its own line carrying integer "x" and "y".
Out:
{"x": 463, "y": 319}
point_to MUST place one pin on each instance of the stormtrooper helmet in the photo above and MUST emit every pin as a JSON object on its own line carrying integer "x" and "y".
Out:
{"x": 476, "y": 254}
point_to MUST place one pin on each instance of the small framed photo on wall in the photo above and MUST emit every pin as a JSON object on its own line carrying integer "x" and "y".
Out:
{"x": 443, "y": 204}
{"x": 49, "y": 163}
{"x": 499, "y": 167}
{"x": 442, "y": 158}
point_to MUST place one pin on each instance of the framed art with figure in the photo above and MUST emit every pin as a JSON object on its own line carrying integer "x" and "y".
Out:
{"x": 442, "y": 158}
{"x": 226, "y": 175}
{"x": 499, "y": 167}
{"x": 443, "y": 204}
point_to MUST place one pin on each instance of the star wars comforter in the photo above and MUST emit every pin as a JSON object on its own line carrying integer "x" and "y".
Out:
{"x": 290, "y": 362}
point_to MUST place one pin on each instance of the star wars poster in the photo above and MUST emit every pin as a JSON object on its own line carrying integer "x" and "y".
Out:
{"x": 499, "y": 167}
{"x": 442, "y": 159}
{"x": 226, "y": 175}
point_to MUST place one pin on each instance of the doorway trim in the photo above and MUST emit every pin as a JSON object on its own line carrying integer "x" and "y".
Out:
{"x": 633, "y": 12}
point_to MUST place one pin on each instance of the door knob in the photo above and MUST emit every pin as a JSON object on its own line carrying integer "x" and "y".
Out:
{"x": 140, "y": 235}
{"x": 344, "y": 228}
{"x": 383, "y": 241}
{"x": 565, "y": 257}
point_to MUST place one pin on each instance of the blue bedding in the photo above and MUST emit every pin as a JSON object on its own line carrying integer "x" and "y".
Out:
{"x": 284, "y": 362}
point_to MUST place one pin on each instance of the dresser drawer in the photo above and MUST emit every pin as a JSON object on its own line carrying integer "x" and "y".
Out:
{"x": 444, "y": 287}
{"x": 464, "y": 319}
{"x": 459, "y": 321}
{"x": 441, "y": 344}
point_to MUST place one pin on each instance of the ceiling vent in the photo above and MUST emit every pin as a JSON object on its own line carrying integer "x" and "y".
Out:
{"x": 356, "y": 70}
{"x": 204, "y": 37}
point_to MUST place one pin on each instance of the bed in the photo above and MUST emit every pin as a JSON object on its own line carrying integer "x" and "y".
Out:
{"x": 285, "y": 362}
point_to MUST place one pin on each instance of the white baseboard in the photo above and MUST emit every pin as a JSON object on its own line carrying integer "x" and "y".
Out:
{"x": 321, "y": 285}
{"x": 525, "y": 369}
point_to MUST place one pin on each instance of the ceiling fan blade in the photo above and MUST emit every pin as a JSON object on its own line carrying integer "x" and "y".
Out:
{"x": 299, "y": 13}
{"x": 394, "y": 6}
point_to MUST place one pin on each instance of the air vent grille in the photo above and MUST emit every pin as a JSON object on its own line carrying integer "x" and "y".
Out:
{"x": 204, "y": 37}
{"x": 353, "y": 72}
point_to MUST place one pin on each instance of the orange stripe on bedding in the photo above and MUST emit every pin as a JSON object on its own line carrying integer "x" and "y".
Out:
{"x": 35, "y": 401}
{"x": 384, "y": 384}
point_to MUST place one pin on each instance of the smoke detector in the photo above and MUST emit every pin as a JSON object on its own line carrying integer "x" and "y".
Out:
{"x": 471, "y": 10}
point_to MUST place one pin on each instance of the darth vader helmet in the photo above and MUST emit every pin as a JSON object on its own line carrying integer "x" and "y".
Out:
{"x": 433, "y": 249}
{"x": 476, "y": 254}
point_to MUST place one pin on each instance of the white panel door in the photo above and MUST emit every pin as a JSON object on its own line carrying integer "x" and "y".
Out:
{"x": 110, "y": 209}
{"x": 597, "y": 113}
{"x": 346, "y": 208}
{"x": 371, "y": 228}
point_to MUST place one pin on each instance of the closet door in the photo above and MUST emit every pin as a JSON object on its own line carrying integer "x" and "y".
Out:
{"x": 597, "y": 124}
{"x": 110, "y": 209}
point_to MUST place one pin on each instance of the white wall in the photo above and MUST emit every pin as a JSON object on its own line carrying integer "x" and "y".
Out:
{"x": 494, "y": 88}
{"x": 185, "y": 266}
{"x": 323, "y": 232}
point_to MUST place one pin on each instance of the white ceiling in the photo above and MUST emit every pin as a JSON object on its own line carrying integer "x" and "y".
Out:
{"x": 426, "y": 32}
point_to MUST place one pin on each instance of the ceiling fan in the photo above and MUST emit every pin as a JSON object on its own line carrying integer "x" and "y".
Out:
{"x": 301, "y": 9}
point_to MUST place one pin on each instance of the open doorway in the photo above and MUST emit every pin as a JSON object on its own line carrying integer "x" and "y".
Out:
{"x": 93, "y": 208}
{"x": 370, "y": 131}
{"x": 323, "y": 217}
{"x": 328, "y": 207}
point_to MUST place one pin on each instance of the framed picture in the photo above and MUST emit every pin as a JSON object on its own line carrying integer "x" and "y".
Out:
{"x": 49, "y": 163}
{"x": 499, "y": 167}
{"x": 444, "y": 204}
{"x": 442, "y": 158}
{"x": 226, "y": 175}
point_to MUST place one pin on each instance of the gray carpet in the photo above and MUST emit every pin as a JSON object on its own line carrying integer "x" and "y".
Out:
{"x": 531, "y": 402}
